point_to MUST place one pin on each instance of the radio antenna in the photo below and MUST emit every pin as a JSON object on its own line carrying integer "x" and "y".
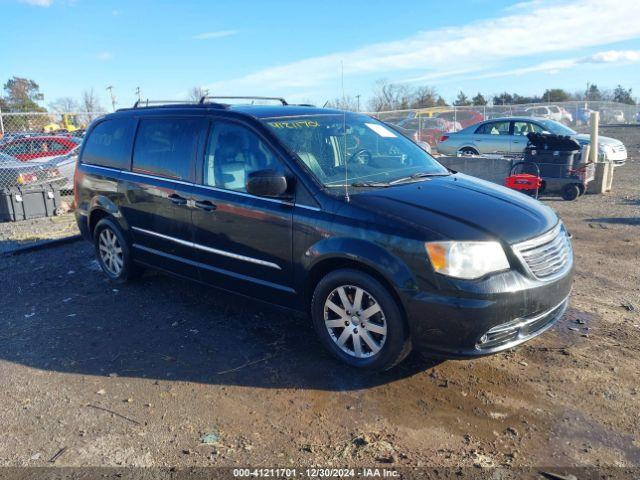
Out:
{"x": 344, "y": 135}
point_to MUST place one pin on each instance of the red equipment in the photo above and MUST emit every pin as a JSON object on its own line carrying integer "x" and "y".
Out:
{"x": 524, "y": 182}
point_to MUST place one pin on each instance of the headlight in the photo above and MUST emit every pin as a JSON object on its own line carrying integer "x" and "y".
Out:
{"x": 607, "y": 149}
{"x": 466, "y": 260}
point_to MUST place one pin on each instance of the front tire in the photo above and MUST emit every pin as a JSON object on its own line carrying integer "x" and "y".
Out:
{"x": 358, "y": 320}
{"x": 113, "y": 252}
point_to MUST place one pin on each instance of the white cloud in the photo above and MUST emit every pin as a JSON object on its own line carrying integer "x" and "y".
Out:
{"x": 104, "y": 56}
{"x": 613, "y": 56}
{"x": 541, "y": 28}
{"x": 38, "y": 3}
{"x": 218, "y": 34}
{"x": 555, "y": 66}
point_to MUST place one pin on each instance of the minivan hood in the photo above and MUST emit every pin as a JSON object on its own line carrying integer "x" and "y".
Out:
{"x": 461, "y": 207}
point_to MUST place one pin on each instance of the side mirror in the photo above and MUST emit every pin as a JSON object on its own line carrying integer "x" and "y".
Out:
{"x": 267, "y": 183}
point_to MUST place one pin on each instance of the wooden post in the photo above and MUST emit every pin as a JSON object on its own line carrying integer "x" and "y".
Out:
{"x": 593, "y": 141}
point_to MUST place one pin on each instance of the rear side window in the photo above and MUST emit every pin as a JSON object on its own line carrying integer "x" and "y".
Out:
{"x": 109, "y": 144}
{"x": 494, "y": 128}
{"x": 167, "y": 146}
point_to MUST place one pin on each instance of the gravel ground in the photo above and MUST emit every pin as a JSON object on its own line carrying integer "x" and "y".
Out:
{"x": 20, "y": 234}
{"x": 163, "y": 372}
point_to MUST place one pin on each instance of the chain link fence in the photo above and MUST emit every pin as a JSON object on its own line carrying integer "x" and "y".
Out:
{"x": 430, "y": 124}
{"x": 40, "y": 148}
{"x": 37, "y": 148}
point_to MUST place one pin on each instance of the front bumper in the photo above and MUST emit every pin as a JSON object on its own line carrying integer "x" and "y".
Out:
{"x": 512, "y": 309}
{"x": 618, "y": 158}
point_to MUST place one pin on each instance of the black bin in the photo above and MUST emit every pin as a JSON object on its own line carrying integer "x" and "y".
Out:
{"x": 17, "y": 203}
{"x": 553, "y": 163}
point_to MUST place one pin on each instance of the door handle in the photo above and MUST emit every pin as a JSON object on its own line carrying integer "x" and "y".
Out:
{"x": 205, "y": 205}
{"x": 177, "y": 199}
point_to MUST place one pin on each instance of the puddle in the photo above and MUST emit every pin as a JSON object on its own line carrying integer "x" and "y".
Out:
{"x": 590, "y": 435}
{"x": 575, "y": 326}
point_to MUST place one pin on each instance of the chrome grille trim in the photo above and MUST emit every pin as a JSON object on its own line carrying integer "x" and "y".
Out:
{"x": 520, "y": 330}
{"x": 548, "y": 256}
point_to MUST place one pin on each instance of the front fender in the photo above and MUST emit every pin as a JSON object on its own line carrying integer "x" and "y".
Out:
{"x": 364, "y": 252}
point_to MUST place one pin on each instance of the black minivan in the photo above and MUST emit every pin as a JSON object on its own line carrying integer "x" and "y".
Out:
{"x": 331, "y": 213}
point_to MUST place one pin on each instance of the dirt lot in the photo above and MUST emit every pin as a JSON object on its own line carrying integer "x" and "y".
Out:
{"x": 166, "y": 373}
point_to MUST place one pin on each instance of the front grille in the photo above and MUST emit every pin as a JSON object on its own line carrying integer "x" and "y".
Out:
{"x": 548, "y": 256}
{"x": 519, "y": 330}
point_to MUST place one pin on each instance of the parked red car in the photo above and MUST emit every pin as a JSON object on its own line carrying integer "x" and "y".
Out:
{"x": 463, "y": 117}
{"x": 30, "y": 148}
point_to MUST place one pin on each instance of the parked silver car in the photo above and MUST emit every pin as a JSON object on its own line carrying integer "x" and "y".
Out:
{"x": 507, "y": 136}
{"x": 14, "y": 173}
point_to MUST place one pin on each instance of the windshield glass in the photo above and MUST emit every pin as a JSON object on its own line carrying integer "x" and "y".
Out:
{"x": 556, "y": 127}
{"x": 372, "y": 151}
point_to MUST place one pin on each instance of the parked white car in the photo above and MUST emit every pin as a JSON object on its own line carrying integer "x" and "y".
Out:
{"x": 566, "y": 116}
{"x": 540, "y": 111}
{"x": 613, "y": 116}
{"x": 556, "y": 113}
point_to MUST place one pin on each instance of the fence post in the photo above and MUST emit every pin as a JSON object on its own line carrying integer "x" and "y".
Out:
{"x": 1, "y": 124}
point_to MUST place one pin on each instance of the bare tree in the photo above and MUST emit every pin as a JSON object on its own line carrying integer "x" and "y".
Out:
{"x": 390, "y": 96}
{"x": 64, "y": 105}
{"x": 196, "y": 93}
{"x": 424, "y": 97}
{"x": 91, "y": 105}
{"x": 348, "y": 103}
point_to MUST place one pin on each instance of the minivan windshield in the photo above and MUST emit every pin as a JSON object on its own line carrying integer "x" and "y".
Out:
{"x": 374, "y": 154}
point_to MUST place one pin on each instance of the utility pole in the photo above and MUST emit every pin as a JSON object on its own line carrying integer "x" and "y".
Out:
{"x": 138, "y": 93}
{"x": 358, "y": 103}
{"x": 113, "y": 98}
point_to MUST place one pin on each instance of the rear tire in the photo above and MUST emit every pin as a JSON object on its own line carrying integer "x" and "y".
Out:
{"x": 369, "y": 332}
{"x": 570, "y": 192}
{"x": 468, "y": 151}
{"x": 113, "y": 252}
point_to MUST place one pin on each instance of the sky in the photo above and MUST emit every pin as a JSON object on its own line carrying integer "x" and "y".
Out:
{"x": 298, "y": 49}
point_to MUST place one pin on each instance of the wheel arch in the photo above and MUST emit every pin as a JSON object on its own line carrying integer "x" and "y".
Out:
{"x": 102, "y": 207}
{"x": 365, "y": 257}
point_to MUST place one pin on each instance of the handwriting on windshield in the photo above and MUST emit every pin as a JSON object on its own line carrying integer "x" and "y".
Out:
{"x": 295, "y": 124}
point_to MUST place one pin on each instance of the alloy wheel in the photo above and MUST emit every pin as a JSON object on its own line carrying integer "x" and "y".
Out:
{"x": 111, "y": 252}
{"x": 355, "y": 321}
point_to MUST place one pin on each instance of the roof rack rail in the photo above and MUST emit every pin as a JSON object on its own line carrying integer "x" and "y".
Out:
{"x": 149, "y": 103}
{"x": 279, "y": 99}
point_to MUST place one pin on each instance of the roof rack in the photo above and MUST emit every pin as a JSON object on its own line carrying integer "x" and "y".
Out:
{"x": 279, "y": 99}
{"x": 150, "y": 103}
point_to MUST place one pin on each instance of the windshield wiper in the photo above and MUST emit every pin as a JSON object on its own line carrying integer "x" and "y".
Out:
{"x": 370, "y": 184}
{"x": 417, "y": 176}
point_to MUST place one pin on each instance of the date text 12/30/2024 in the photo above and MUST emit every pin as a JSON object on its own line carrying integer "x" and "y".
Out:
{"x": 315, "y": 472}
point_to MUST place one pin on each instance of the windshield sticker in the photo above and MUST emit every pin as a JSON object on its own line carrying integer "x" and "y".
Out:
{"x": 381, "y": 130}
{"x": 295, "y": 124}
